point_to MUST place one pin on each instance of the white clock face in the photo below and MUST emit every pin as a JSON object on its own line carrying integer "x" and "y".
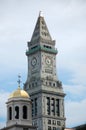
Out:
{"x": 33, "y": 61}
{"x": 48, "y": 61}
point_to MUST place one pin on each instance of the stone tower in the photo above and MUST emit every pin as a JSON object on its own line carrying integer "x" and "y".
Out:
{"x": 42, "y": 83}
{"x": 19, "y": 109}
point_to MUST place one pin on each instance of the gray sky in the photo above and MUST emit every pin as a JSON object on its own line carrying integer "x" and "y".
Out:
{"x": 66, "y": 21}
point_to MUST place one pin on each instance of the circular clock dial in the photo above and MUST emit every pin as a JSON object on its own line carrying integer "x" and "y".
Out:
{"x": 34, "y": 61}
{"x": 48, "y": 61}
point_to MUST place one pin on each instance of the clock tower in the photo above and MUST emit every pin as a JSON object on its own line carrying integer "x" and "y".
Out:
{"x": 42, "y": 83}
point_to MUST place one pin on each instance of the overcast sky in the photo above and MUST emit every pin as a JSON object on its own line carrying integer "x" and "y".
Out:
{"x": 66, "y": 21}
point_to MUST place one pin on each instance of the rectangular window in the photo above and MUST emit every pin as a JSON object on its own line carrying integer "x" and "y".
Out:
{"x": 35, "y": 106}
{"x": 58, "y": 123}
{"x": 53, "y": 106}
{"x": 32, "y": 108}
{"x": 17, "y": 112}
{"x": 54, "y": 122}
{"x": 57, "y": 107}
{"x": 10, "y": 113}
{"x": 53, "y": 84}
{"x": 54, "y": 128}
{"x": 49, "y": 121}
{"x": 25, "y": 128}
{"x": 50, "y": 83}
{"x": 58, "y": 129}
{"x": 49, "y": 127}
{"x": 48, "y": 105}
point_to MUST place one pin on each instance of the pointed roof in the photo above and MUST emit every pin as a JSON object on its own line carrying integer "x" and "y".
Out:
{"x": 41, "y": 31}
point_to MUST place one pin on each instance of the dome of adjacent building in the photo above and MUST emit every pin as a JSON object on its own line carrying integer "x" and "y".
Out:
{"x": 19, "y": 93}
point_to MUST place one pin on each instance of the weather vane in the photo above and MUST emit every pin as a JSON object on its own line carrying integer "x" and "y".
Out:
{"x": 19, "y": 81}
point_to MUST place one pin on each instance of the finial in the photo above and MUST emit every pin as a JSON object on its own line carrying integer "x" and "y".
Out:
{"x": 19, "y": 81}
{"x": 40, "y": 13}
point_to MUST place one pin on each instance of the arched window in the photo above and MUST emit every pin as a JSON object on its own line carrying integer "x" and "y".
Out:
{"x": 24, "y": 112}
{"x": 10, "y": 113}
{"x": 17, "y": 112}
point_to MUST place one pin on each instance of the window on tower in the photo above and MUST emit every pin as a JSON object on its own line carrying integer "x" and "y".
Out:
{"x": 53, "y": 84}
{"x": 54, "y": 128}
{"x": 43, "y": 27}
{"x": 53, "y": 106}
{"x": 47, "y": 46}
{"x": 10, "y": 113}
{"x": 49, "y": 127}
{"x": 49, "y": 121}
{"x": 24, "y": 112}
{"x": 34, "y": 47}
{"x": 50, "y": 83}
{"x": 48, "y": 105}
{"x": 25, "y": 128}
{"x": 42, "y": 22}
{"x": 58, "y": 123}
{"x": 53, "y": 122}
{"x": 57, "y": 107}
{"x": 17, "y": 112}
{"x": 35, "y": 106}
{"x": 58, "y": 129}
{"x": 32, "y": 108}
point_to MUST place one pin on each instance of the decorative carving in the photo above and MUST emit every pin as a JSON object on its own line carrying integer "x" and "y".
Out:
{"x": 49, "y": 77}
{"x": 59, "y": 84}
{"x": 49, "y": 71}
{"x": 34, "y": 71}
{"x": 34, "y": 61}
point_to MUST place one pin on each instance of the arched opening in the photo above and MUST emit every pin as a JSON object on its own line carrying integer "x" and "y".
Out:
{"x": 17, "y": 112}
{"x": 10, "y": 113}
{"x": 24, "y": 112}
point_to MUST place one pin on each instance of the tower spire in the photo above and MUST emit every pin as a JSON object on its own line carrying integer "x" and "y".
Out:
{"x": 40, "y": 14}
{"x": 41, "y": 31}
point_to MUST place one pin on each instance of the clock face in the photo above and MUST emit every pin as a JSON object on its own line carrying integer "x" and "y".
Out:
{"x": 33, "y": 61}
{"x": 48, "y": 61}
